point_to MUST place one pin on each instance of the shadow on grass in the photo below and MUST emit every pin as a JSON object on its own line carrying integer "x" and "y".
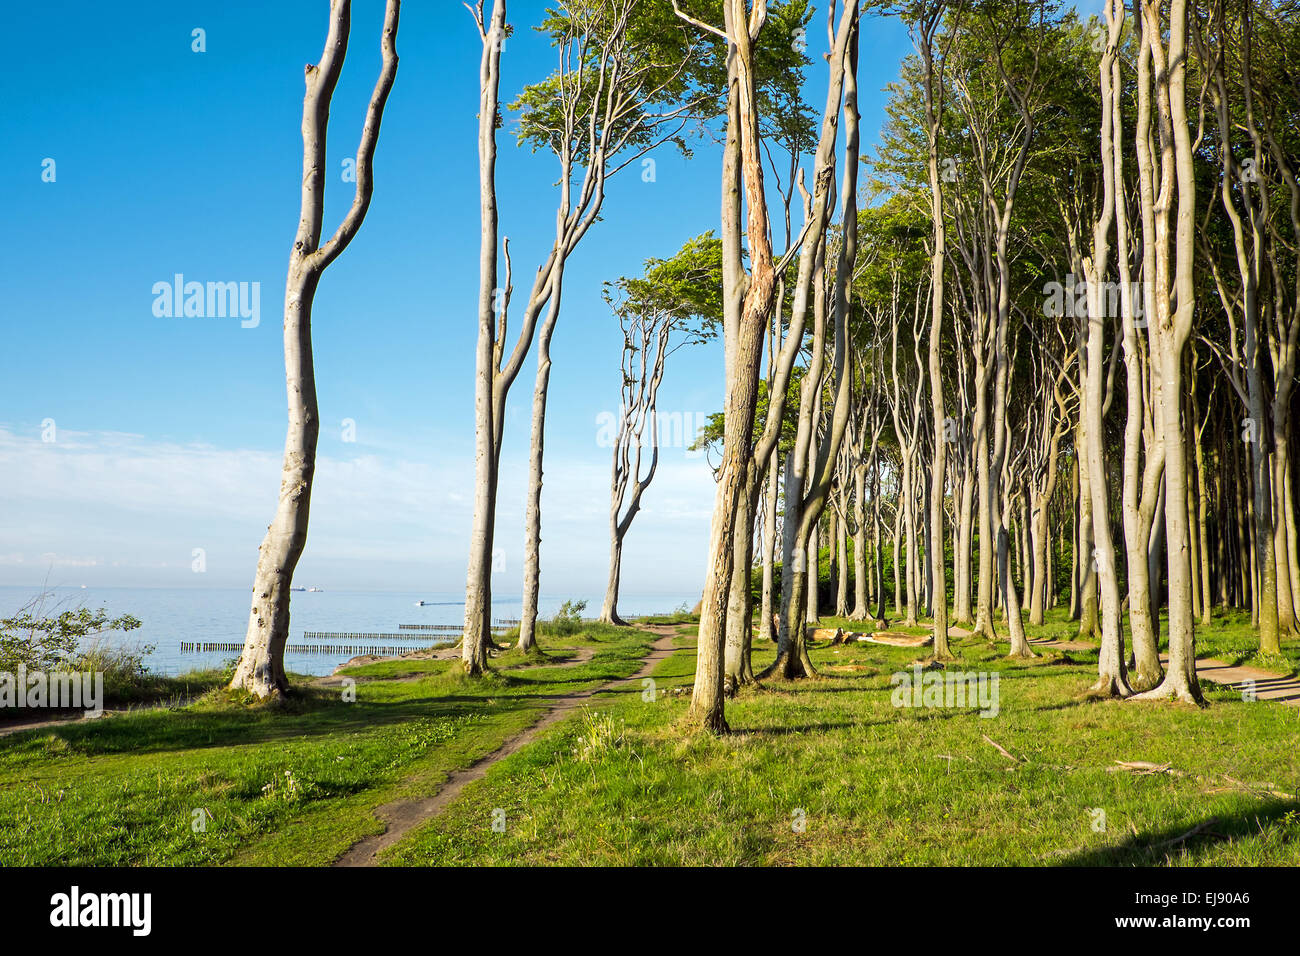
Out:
{"x": 312, "y": 712}
{"x": 787, "y": 731}
{"x": 1187, "y": 841}
{"x": 205, "y": 729}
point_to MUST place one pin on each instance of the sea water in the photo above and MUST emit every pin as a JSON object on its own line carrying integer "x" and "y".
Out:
{"x": 170, "y": 616}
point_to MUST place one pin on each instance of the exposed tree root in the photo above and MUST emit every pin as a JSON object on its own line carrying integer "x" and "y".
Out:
{"x": 790, "y": 664}
{"x": 1174, "y": 690}
{"x": 1110, "y": 687}
{"x": 731, "y": 683}
{"x": 1140, "y": 681}
{"x": 709, "y": 722}
{"x": 1020, "y": 649}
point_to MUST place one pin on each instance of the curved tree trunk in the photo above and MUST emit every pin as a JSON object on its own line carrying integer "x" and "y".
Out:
{"x": 859, "y": 545}
{"x": 260, "y": 669}
{"x": 609, "y": 609}
{"x": 478, "y": 578}
{"x": 536, "y": 451}
{"x": 1173, "y": 326}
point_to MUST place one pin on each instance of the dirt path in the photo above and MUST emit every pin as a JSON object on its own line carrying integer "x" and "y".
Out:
{"x": 401, "y": 816}
{"x": 1267, "y": 685}
{"x": 1285, "y": 690}
{"x": 20, "y": 726}
{"x": 40, "y": 723}
{"x": 1064, "y": 645}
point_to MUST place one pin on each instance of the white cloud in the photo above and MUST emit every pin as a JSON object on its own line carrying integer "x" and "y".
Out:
{"x": 114, "y": 508}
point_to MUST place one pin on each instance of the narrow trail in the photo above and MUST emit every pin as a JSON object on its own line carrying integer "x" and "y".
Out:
{"x": 21, "y": 725}
{"x": 1267, "y": 686}
{"x": 401, "y": 816}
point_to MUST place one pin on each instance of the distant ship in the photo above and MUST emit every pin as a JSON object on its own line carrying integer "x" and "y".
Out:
{"x": 419, "y": 604}
{"x": 313, "y": 589}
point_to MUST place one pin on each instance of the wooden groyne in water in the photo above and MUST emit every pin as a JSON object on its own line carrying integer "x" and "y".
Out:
{"x": 379, "y": 650}
{"x": 355, "y": 636}
{"x": 352, "y": 643}
{"x": 497, "y": 625}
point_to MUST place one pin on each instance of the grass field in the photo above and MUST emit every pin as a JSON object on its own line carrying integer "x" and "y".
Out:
{"x": 828, "y": 771}
{"x": 220, "y": 781}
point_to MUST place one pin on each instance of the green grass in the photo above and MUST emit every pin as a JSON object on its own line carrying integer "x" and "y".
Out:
{"x": 619, "y": 783}
{"x": 272, "y": 784}
{"x": 137, "y": 690}
{"x": 883, "y": 785}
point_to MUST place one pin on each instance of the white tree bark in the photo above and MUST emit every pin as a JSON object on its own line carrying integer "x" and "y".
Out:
{"x": 260, "y": 669}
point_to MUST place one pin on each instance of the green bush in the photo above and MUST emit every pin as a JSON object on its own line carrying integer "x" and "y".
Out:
{"x": 568, "y": 619}
{"x": 47, "y": 641}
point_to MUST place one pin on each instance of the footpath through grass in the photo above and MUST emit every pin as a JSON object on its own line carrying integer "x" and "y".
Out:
{"x": 220, "y": 781}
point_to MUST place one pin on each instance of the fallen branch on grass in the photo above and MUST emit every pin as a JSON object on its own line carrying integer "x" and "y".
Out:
{"x": 1003, "y": 750}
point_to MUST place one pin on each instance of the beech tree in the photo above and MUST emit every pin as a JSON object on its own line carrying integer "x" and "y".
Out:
{"x": 674, "y": 304}
{"x": 629, "y": 81}
{"x": 260, "y": 669}
{"x": 748, "y": 298}
{"x": 600, "y": 112}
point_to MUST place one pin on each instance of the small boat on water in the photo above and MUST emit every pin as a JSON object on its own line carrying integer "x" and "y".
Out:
{"x": 419, "y": 604}
{"x": 313, "y": 589}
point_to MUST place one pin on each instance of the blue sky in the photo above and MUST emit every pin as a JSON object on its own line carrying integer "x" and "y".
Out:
{"x": 167, "y": 432}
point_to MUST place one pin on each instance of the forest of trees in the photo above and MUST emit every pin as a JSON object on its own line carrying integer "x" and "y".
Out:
{"x": 1036, "y": 348}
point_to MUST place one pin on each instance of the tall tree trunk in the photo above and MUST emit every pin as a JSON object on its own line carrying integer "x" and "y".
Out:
{"x": 260, "y": 669}
{"x": 938, "y": 255}
{"x": 842, "y": 566}
{"x": 478, "y": 577}
{"x": 1141, "y": 486}
{"x": 740, "y": 606}
{"x": 1086, "y": 571}
{"x": 1112, "y": 678}
{"x": 1076, "y": 501}
{"x": 769, "y": 546}
{"x": 537, "y": 448}
{"x": 609, "y": 607}
{"x": 859, "y": 544}
{"x": 984, "y": 583}
{"x": 898, "y": 558}
{"x": 745, "y": 313}
{"x": 1173, "y": 327}
{"x": 962, "y": 548}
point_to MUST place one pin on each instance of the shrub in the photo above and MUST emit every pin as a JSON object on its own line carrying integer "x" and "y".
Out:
{"x": 568, "y": 619}
{"x": 43, "y": 641}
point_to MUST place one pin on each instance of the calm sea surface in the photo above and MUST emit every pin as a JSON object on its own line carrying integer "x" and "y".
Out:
{"x": 170, "y": 616}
